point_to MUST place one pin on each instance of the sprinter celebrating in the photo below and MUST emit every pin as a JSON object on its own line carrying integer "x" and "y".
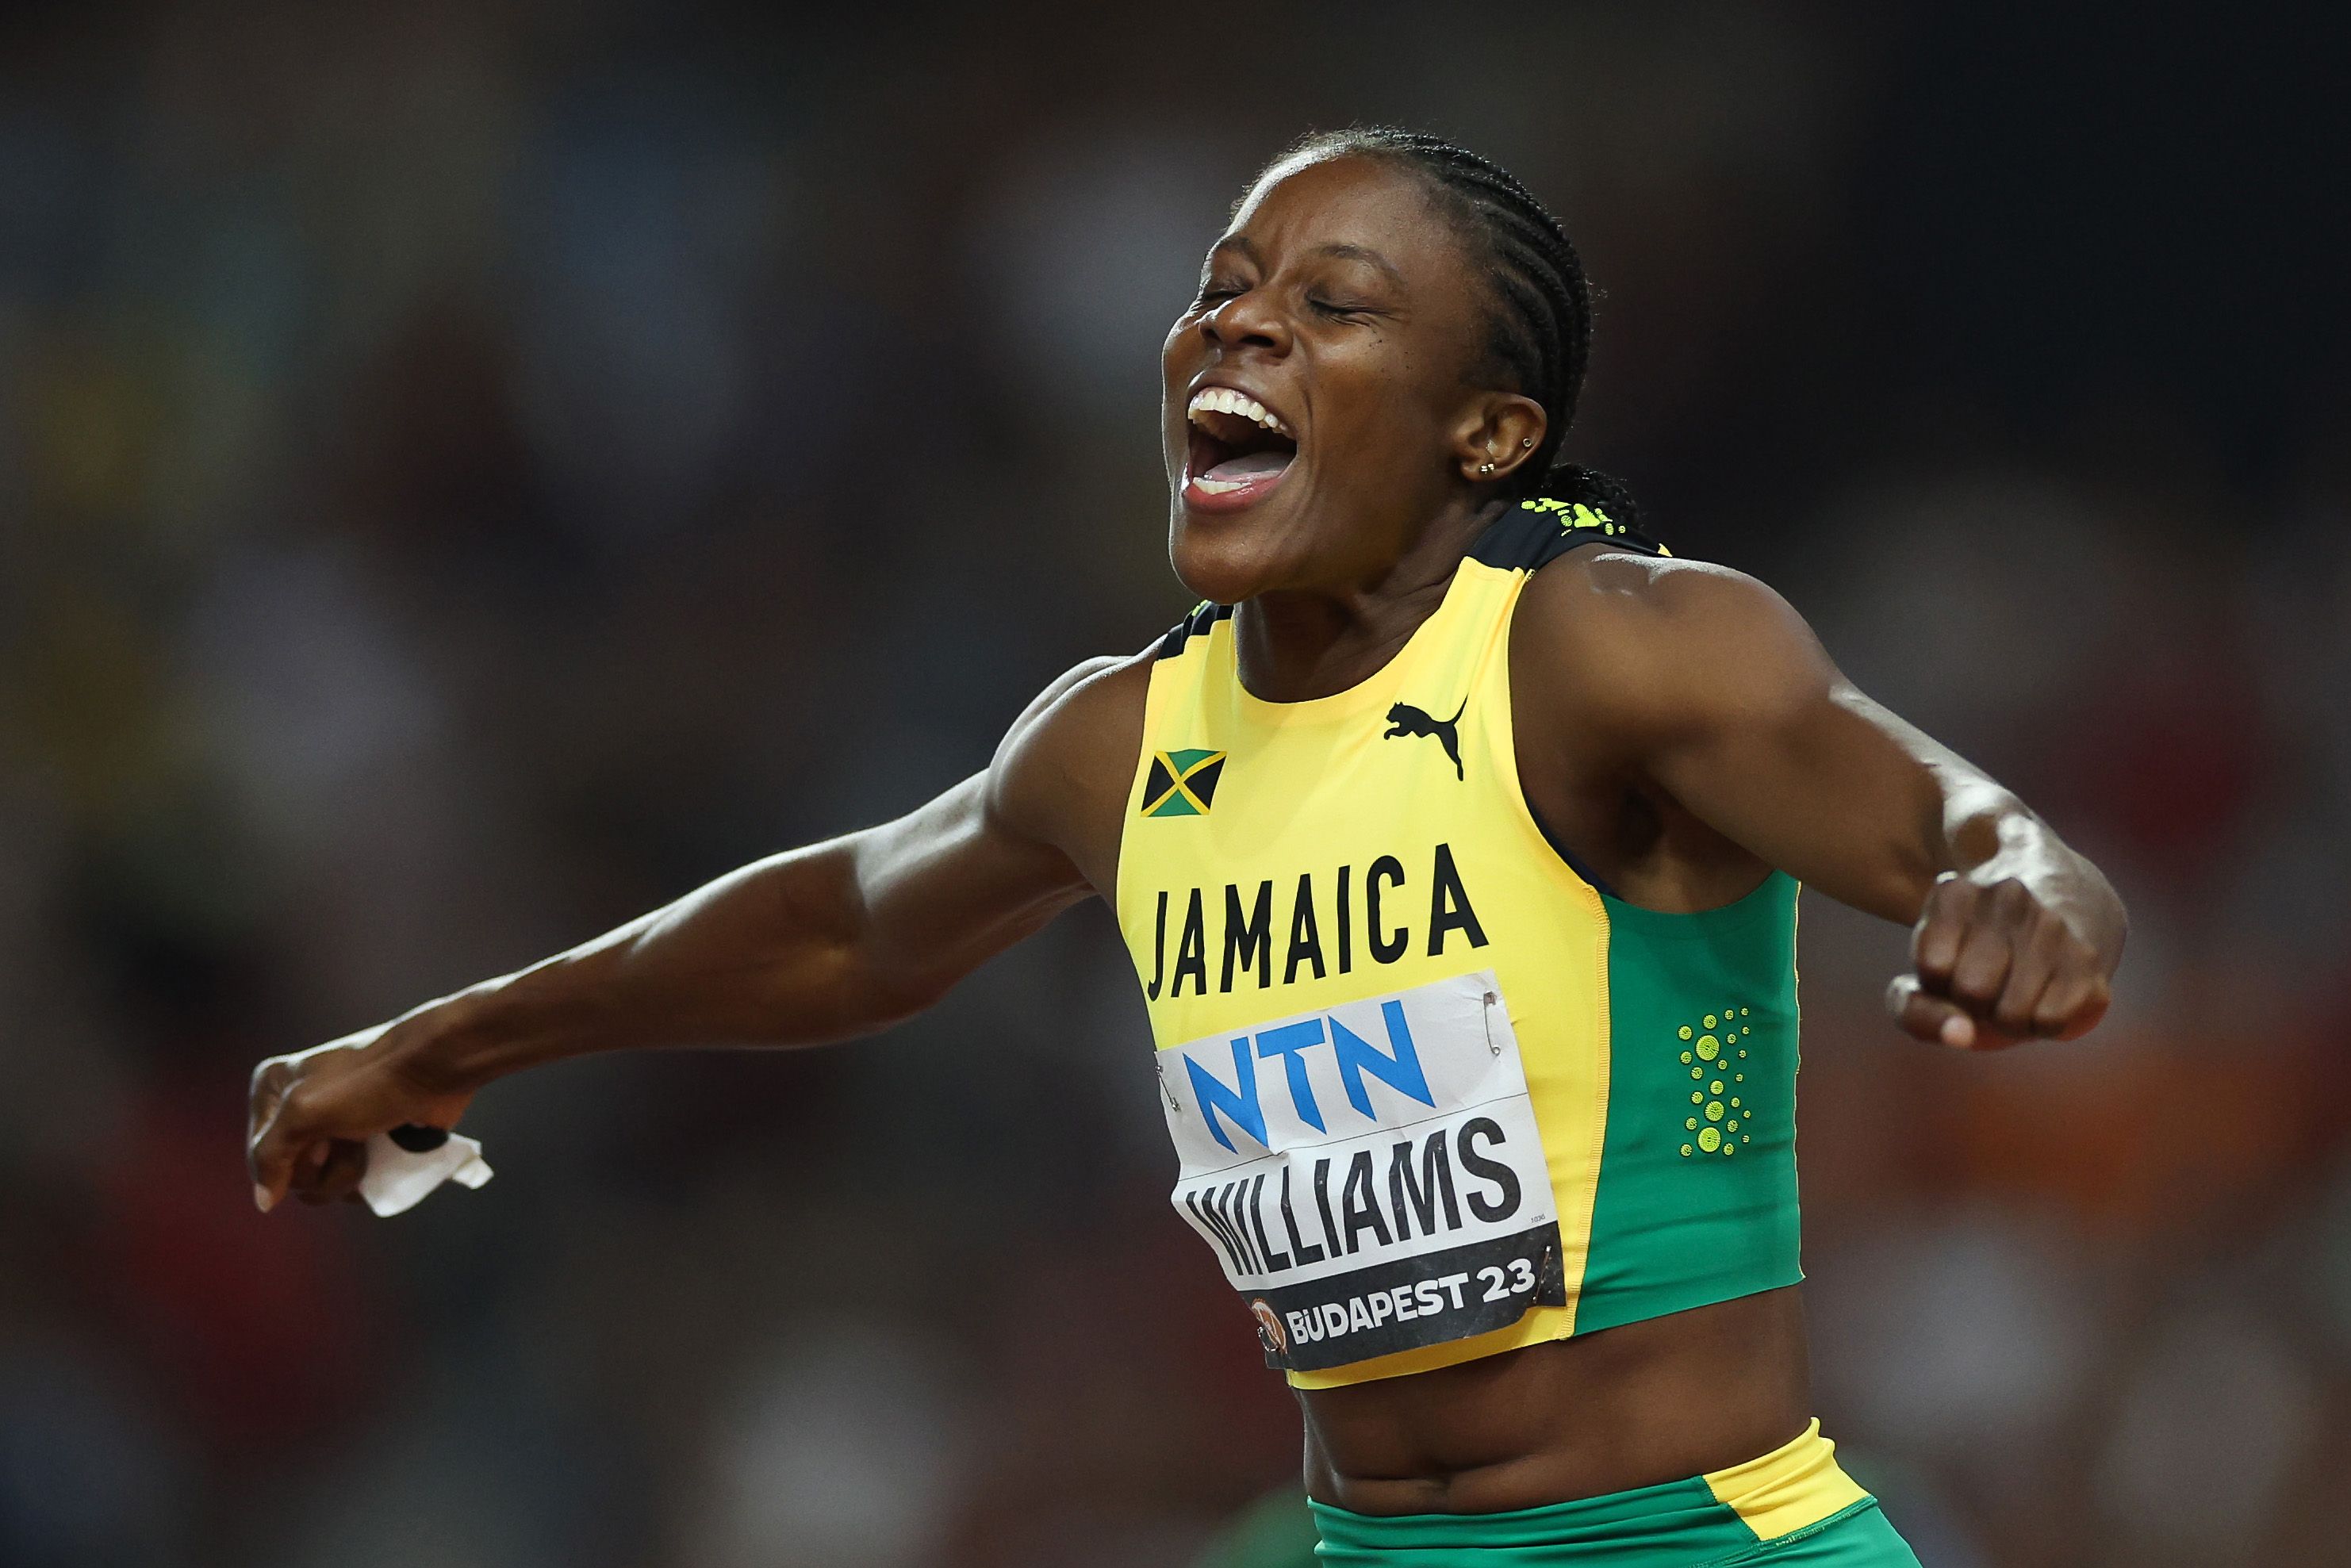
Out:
{"x": 1455, "y": 839}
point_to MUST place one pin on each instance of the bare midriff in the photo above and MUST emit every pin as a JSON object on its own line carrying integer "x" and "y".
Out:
{"x": 1663, "y": 1400}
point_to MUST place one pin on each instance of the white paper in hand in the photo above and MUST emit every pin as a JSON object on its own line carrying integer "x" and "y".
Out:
{"x": 397, "y": 1180}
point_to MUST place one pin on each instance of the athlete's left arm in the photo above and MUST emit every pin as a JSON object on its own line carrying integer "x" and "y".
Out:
{"x": 1711, "y": 685}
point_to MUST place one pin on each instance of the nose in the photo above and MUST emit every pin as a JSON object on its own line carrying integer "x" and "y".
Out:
{"x": 1247, "y": 320}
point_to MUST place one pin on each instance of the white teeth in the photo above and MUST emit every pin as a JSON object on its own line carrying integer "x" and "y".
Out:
{"x": 1225, "y": 400}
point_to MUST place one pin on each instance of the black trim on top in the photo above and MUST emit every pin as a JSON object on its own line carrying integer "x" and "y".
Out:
{"x": 1531, "y": 535}
{"x": 1196, "y": 624}
{"x": 1564, "y": 854}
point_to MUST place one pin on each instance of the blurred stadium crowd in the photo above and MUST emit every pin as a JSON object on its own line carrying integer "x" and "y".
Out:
{"x": 470, "y": 472}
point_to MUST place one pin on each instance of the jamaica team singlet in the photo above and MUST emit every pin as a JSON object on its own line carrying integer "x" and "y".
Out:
{"x": 1434, "y": 1093}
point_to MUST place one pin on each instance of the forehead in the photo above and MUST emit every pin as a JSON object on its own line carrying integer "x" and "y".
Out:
{"x": 1349, "y": 199}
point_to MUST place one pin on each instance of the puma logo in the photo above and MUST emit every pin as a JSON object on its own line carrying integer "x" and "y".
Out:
{"x": 1405, "y": 719}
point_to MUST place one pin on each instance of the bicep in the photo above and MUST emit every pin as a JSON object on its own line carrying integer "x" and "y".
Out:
{"x": 946, "y": 887}
{"x": 950, "y": 886}
{"x": 1827, "y": 785}
{"x": 1730, "y": 704}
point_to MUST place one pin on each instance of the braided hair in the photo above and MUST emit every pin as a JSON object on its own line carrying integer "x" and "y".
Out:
{"x": 1539, "y": 316}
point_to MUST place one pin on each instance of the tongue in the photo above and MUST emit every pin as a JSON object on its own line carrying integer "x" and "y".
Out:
{"x": 1255, "y": 466}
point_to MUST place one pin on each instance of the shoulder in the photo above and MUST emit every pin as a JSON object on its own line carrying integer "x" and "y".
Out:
{"x": 1642, "y": 638}
{"x": 1628, "y": 593}
{"x": 1065, "y": 765}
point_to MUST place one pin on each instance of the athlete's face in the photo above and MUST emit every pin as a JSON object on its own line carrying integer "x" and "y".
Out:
{"x": 1318, "y": 408}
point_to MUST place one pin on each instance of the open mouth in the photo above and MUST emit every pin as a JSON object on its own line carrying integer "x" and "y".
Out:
{"x": 1239, "y": 449}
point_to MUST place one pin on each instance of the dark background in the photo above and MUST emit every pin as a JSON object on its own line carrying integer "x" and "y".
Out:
{"x": 470, "y": 472}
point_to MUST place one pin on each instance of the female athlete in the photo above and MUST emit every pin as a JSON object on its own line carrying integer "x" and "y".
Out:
{"x": 1455, "y": 839}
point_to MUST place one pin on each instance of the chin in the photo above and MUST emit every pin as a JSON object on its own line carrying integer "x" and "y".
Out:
{"x": 1223, "y": 558}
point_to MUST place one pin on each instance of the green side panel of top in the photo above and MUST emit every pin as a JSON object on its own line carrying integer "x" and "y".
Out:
{"x": 1698, "y": 1170}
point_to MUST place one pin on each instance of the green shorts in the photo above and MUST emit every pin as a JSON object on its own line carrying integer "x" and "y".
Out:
{"x": 1794, "y": 1507}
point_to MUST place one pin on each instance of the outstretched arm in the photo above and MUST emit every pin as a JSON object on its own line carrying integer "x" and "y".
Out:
{"x": 1706, "y": 683}
{"x": 817, "y": 944}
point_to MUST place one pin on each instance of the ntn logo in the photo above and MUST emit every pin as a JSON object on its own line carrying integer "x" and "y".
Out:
{"x": 1241, "y": 1102}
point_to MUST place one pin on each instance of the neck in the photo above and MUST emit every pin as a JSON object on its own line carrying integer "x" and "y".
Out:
{"x": 1296, "y": 644}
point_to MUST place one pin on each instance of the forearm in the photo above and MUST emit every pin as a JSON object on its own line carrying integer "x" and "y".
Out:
{"x": 773, "y": 954}
{"x": 1873, "y": 812}
{"x": 838, "y": 939}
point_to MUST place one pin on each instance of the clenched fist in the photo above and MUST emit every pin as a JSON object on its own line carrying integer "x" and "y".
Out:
{"x": 1993, "y": 965}
{"x": 310, "y": 1115}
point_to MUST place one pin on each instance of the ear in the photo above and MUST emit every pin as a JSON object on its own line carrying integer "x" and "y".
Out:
{"x": 1502, "y": 429}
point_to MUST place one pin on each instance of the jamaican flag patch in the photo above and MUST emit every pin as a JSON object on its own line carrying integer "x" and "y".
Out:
{"x": 1182, "y": 783}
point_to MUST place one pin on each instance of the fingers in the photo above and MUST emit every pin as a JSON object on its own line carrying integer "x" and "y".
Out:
{"x": 264, "y": 1093}
{"x": 291, "y": 1156}
{"x": 310, "y": 1115}
{"x": 293, "y": 1139}
{"x": 1942, "y": 925}
{"x": 273, "y": 1150}
{"x": 1986, "y": 955}
{"x": 2072, "y": 1005}
{"x": 1995, "y": 965}
{"x": 2033, "y": 962}
{"x": 307, "y": 1167}
{"x": 1928, "y": 1017}
{"x": 334, "y": 1174}
{"x": 339, "y": 1177}
{"x": 1991, "y": 921}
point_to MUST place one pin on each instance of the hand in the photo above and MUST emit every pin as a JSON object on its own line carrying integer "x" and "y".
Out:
{"x": 1993, "y": 965}
{"x": 310, "y": 1114}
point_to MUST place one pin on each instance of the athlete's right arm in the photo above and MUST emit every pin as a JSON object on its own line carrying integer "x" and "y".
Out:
{"x": 819, "y": 943}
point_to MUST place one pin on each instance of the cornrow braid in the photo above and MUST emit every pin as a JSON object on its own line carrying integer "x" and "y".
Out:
{"x": 1539, "y": 323}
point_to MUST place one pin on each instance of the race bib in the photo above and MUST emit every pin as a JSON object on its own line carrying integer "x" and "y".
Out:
{"x": 1370, "y": 1176}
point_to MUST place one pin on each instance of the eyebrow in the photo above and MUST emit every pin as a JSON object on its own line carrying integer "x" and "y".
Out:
{"x": 1368, "y": 256}
{"x": 1338, "y": 249}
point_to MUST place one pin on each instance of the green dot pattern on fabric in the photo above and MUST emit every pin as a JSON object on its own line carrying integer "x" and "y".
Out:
{"x": 1678, "y": 1222}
